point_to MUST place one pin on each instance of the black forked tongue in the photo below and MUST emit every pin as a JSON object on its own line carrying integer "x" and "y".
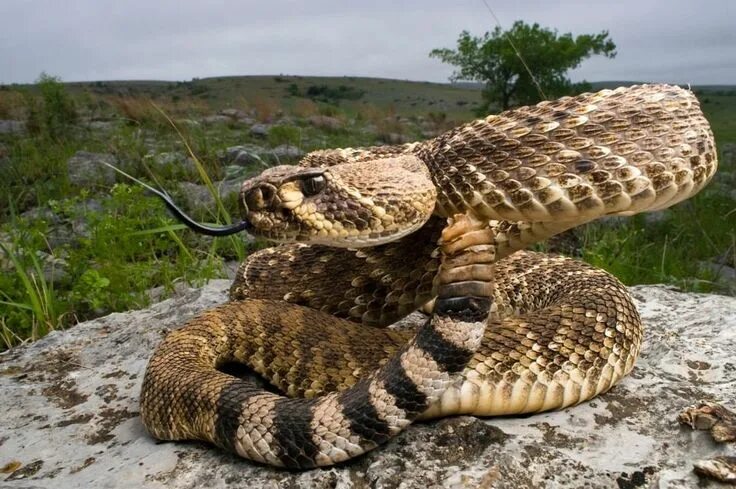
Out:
{"x": 197, "y": 227}
{"x": 182, "y": 217}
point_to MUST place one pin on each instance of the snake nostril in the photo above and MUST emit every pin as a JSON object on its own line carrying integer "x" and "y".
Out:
{"x": 259, "y": 198}
{"x": 254, "y": 199}
{"x": 268, "y": 193}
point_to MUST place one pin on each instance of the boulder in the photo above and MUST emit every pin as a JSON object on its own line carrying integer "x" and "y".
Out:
{"x": 187, "y": 122}
{"x": 233, "y": 113}
{"x": 86, "y": 169}
{"x": 11, "y": 127}
{"x": 54, "y": 269}
{"x": 216, "y": 119}
{"x": 100, "y": 125}
{"x": 286, "y": 152}
{"x": 241, "y": 173}
{"x": 170, "y": 160}
{"x": 242, "y": 155}
{"x": 71, "y": 416}
{"x": 724, "y": 276}
{"x": 198, "y": 196}
{"x": 260, "y": 130}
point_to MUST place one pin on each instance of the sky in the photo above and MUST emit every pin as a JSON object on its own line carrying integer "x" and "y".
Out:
{"x": 678, "y": 41}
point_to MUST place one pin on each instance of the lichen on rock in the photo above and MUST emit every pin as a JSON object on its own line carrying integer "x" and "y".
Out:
{"x": 71, "y": 415}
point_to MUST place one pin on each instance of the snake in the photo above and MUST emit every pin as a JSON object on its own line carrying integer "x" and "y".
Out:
{"x": 368, "y": 236}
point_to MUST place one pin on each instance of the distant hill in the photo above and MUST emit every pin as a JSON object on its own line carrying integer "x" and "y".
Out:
{"x": 404, "y": 96}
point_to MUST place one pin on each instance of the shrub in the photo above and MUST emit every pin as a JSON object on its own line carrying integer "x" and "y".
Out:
{"x": 279, "y": 135}
{"x": 55, "y": 112}
{"x": 293, "y": 90}
{"x": 326, "y": 93}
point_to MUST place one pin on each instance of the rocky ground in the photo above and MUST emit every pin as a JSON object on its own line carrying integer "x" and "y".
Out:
{"x": 71, "y": 416}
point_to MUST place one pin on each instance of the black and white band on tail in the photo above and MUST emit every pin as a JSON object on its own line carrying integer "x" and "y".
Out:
{"x": 299, "y": 433}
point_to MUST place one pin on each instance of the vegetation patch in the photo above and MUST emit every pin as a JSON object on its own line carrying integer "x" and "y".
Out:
{"x": 70, "y": 252}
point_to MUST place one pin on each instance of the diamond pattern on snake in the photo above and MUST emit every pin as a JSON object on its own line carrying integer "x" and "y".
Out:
{"x": 369, "y": 235}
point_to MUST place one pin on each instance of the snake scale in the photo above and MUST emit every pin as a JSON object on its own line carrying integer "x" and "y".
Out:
{"x": 369, "y": 235}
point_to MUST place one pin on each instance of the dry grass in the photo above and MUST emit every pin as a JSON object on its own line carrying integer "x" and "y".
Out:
{"x": 305, "y": 108}
{"x": 141, "y": 110}
{"x": 12, "y": 104}
{"x": 386, "y": 121}
{"x": 266, "y": 108}
{"x": 136, "y": 110}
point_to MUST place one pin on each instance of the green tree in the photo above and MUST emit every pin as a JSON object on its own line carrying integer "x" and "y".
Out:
{"x": 492, "y": 60}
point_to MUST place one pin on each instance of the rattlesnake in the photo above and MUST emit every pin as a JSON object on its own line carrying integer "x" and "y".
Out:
{"x": 361, "y": 228}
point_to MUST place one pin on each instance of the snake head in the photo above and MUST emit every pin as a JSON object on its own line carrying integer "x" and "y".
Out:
{"x": 348, "y": 205}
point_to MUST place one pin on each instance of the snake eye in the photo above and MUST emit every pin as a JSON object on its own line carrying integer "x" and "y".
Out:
{"x": 313, "y": 185}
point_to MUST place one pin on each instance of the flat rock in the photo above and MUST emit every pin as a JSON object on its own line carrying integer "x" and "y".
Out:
{"x": 198, "y": 196}
{"x": 171, "y": 160}
{"x": 286, "y": 152}
{"x": 88, "y": 169}
{"x": 216, "y": 119}
{"x": 260, "y": 130}
{"x": 71, "y": 416}
{"x": 233, "y": 113}
{"x": 8, "y": 126}
{"x": 242, "y": 155}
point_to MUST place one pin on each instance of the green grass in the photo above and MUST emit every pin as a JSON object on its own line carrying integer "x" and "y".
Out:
{"x": 128, "y": 243}
{"x": 40, "y": 304}
{"x": 721, "y": 112}
{"x": 670, "y": 251}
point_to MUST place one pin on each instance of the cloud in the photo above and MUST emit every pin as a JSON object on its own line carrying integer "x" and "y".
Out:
{"x": 663, "y": 40}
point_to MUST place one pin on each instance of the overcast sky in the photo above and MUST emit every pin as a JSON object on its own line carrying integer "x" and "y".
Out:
{"x": 681, "y": 41}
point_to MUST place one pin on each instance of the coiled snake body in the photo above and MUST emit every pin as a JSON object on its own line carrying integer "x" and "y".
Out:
{"x": 511, "y": 331}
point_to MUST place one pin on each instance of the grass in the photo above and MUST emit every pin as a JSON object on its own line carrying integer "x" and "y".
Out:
{"x": 40, "y": 303}
{"x": 672, "y": 250}
{"x": 118, "y": 243}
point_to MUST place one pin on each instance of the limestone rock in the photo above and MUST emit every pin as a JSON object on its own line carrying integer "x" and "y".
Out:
{"x": 70, "y": 416}
{"x": 260, "y": 130}
{"x": 242, "y": 155}
{"x": 286, "y": 152}
{"x": 199, "y": 197}
{"x": 234, "y": 114}
{"x": 216, "y": 119}
{"x": 724, "y": 276}
{"x": 100, "y": 125}
{"x": 87, "y": 169}
{"x": 170, "y": 160}
{"x": 8, "y": 126}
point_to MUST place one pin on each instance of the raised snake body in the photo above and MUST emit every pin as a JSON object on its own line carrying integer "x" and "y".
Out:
{"x": 512, "y": 331}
